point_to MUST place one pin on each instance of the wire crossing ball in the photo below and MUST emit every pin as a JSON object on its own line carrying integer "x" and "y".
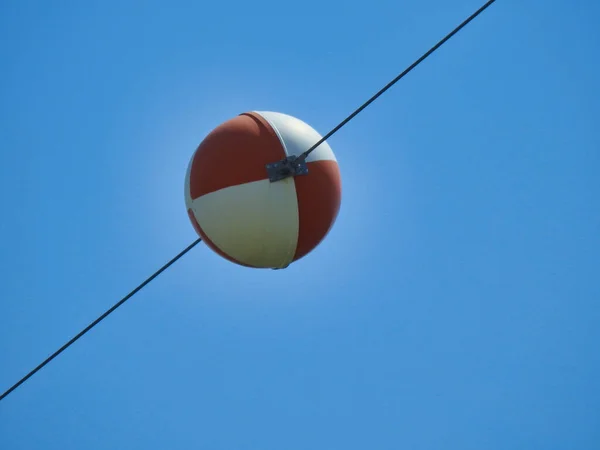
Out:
{"x": 243, "y": 216}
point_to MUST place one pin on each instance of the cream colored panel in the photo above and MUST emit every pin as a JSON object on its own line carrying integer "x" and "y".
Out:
{"x": 186, "y": 187}
{"x": 297, "y": 136}
{"x": 255, "y": 223}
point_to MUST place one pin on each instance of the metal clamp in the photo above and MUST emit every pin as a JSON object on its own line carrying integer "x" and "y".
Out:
{"x": 291, "y": 166}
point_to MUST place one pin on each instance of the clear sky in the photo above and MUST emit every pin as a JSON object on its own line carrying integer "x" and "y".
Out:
{"x": 455, "y": 304}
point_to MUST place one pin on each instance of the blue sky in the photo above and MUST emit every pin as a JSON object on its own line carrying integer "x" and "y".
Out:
{"x": 455, "y": 303}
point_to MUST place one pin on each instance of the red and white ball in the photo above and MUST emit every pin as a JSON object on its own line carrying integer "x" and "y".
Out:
{"x": 239, "y": 212}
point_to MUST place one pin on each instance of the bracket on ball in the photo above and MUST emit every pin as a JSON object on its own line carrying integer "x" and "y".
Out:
{"x": 288, "y": 167}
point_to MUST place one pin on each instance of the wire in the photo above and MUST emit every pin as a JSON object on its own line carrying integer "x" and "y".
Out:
{"x": 304, "y": 155}
{"x": 99, "y": 319}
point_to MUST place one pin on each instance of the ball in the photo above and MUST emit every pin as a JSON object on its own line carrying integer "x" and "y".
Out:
{"x": 240, "y": 213}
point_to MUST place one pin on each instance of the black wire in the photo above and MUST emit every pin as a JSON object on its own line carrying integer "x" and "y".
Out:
{"x": 99, "y": 319}
{"x": 303, "y": 156}
{"x": 395, "y": 80}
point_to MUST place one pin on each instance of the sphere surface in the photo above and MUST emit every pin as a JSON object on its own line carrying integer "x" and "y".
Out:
{"x": 239, "y": 212}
